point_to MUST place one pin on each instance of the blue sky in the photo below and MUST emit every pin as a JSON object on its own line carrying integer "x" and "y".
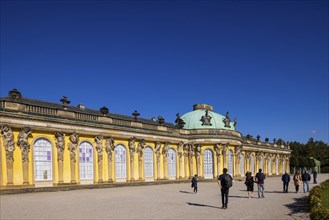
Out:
{"x": 266, "y": 62}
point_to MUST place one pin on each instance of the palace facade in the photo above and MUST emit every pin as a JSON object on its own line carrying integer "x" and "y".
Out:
{"x": 49, "y": 144}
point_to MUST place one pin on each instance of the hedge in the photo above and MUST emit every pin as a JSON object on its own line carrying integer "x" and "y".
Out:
{"x": 317, "y": 210}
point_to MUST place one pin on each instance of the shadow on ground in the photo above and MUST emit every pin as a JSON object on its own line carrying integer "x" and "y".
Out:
{"x": 299, "y": 206}
{"x": 186, "y": 192}
{"x": 202, "y": 205}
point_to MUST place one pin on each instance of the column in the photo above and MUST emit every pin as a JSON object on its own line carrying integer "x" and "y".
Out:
{"x": 22, "y": 142}
{"x": 141, "y": 146}
{"x": 73, "y": 145}
{"x": 165, "y": 150}
{"x": 109, "y": 148}
{"x": 180, "y": 155}
{"x": 218, "y": 150}
{"x": 9, "y": 144}
{"x": 60, "y": 145}
{"x": 158, "y": 154}
{"x": 99, "y": 149}
{"x": 132, "y": 159}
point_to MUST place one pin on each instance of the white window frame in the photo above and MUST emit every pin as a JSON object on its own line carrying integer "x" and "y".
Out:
{"x": 208, "y": 164}
{"x": 171, "y": 163}
{"x": 43, "y": 166}
{"x": 86, "y": 168}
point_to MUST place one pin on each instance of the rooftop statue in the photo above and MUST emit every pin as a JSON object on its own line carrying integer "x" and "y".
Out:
{"x": 206, "y": 119}
{"x": 227, "y": 120}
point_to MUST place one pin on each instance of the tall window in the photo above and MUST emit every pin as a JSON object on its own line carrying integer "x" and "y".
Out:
{"x": 172, "y": 163}
{"x": 148, "y": 162}
{"x": 241, "y": 164}
{"x": 230, "y": 162}
{"x": 208, "y": 164}
{"x": 269, "y": 164}
{"x": 120, "y": 162}
{"x": 42, "y": 159}
{"x": 86, "y": 161}
{"x": 252, "y": 164}
{"x": 276, "y": 165}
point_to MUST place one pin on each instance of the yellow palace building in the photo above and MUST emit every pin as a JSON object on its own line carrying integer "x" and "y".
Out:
{"x": 51, "y": 144}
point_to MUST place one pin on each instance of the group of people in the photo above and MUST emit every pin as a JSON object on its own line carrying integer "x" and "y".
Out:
{"x": 225, "y": 181}
{"x": 297, "y": 178}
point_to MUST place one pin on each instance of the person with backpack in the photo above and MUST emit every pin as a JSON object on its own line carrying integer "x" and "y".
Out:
{"x": 260, "y": 177}
{"x": 285, "y": 179}
{"x": 250, "y": 184}
{"x": 195, "y": 184}
{"x": 225, "y": 182}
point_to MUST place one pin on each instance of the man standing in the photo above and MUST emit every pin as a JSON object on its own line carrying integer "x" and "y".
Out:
{"x": 315, "y": 175}
{"x": 285, "y": 179}
{"x": 225, "y": 182}
{"x": 306, "y": 177}
{"x": 260, "y": 177}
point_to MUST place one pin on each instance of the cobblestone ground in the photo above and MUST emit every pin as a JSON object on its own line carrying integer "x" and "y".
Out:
{"x": 170, "y": 201}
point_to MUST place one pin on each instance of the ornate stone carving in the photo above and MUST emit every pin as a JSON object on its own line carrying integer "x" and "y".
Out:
{"x": 60, "y": 145}
{"x": 179, "y": 123}
{"x": 135, "y": 114}
{"x": 140, "y": 147}
{"x": 109, "y": 147}
{"x": 23, "y": 143}
{"x": 99, "y": 147}
{"x": 235, "y": 122}
{"x": 180, "y": 149}
{"x": 15, "y": 94}
{"x": 227, "y": 120}
{"x": 186, "y": 150}
{"x": 73, "y": 145}
{"x": 218, "y": 149}
{"x": 104, "y": 110}
{"x": 132, "y": 148}
{"x": 238, "y": 150}
{"x": 206, "y": 119}
{"x": 165, "y": 150}
{"x": 161, "y": 120}
{"x": 198, "y": 151}
{"x": 65, "y": 102}
{"x": 157, "y": 150}
{"x": 9, "y": 143}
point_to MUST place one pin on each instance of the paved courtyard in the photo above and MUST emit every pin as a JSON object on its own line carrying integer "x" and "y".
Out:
{"x": 169, "y": 201}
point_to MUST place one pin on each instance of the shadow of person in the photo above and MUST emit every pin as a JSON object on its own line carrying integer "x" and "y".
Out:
{"x": 202, "y": 205}
{"x": 299, "y": 206}
{"x": 186, "y": 192}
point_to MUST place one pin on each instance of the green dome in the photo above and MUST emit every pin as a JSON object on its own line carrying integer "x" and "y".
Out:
{"x": 202, "y": 117}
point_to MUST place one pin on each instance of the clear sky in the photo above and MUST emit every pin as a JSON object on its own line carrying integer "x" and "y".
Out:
{"x": 265, "y": 62}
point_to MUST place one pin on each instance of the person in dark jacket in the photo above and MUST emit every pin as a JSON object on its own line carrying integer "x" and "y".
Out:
{"x": 225, "y": 182}
{"x": 306, "y": 177}
{"x": 260, "y": 177}
{"x": 195, "y": 184}
{"x": 315, "y": 175}
{"x": 285, "y": 179}
{"x": 249, "y": 183}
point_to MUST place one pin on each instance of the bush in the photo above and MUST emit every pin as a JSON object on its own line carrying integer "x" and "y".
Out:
{"x": 318, "y": 210}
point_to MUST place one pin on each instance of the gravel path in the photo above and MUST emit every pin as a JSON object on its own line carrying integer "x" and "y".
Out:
{"x": 170, "y": 201}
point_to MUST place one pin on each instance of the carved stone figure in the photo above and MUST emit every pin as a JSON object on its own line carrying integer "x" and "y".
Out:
{"x": 109, "y": 147}
{"x": 132, "y": 148}
{"x": 179, "y": 123}
{"x": 9, "y": 143}
{"x": 227, "y": 120}
{"x": 65, "y": 102}
{"x": 22, "y": 142}
{"x": 73, "y": 145}
{"x": 15, "y": 94}
{"x": 99, "y": 147}
{"x": 60, "y": 144}
{"x": 180, "y": 149}
{"x": 135, "y": 114}
{"x": 186, "y": 150}
{"x": 206, "y": 119}
{"x": 235, "y": 122}
{"x": 165, "y": 150}
{"x": 161, "y": 120}
{"x": 218, "y": 149}
{"x": 140, "y": 148}
{"x": 198, "y": 151}
{"x": 157, "y": 150}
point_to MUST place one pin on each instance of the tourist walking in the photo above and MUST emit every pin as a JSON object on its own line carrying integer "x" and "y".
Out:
{"x": 225, "y": 182}
{"x": 260, "y": 177}
{"x": 306, "y": 177}
{"x": 195, "y": 184}
{"x": 315, "y": 175}
{"x": 250, "y": 184}
{"x": 297, "y": 178}
{"x": 285, "y": 179}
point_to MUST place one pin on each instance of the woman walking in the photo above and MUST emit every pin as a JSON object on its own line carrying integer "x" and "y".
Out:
{"x": 250, "y": 184}
{"x": 297, "y": 178}
{"x": 195, "y": 184}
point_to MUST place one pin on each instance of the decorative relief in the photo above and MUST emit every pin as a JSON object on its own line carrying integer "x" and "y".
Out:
{"x": 73, "y": 145}
{"x": 218, "y": 149}
{"x": 179, "y": 123}
{"x": 99, "y": 147}
{"x": 186, "y": 150}
{"x": 165, "y": 150}
{"x": 9, "y": 143}
{"x": 132, "y": 148}
{"x": 206, "y": 119}
{"x": 198, "y": 151}
{"x": 60, "y": 144}
{"x": 157, "y": 150}
{"x": 22, "y": 142}
{"x": 140, "y": 147}
{"x": 109, "y": 147}
{"x": 180, "y": 149}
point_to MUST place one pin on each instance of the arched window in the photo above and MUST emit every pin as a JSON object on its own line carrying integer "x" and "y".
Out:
{"x": 269, "y": 164}
{"x": 120, "y": 162}
{"x": 242, "y": 164}
{"x": 172, "y": 163}
{"x": 42, "y": 149}
{"x": 208, "y": 164}
{"x": 277, "y": 165}
{"x": 230, "y": 162}
{"x": 86, "y": 161}
{"x": 252, "y": 164}
{"x": 148, "y": 162}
